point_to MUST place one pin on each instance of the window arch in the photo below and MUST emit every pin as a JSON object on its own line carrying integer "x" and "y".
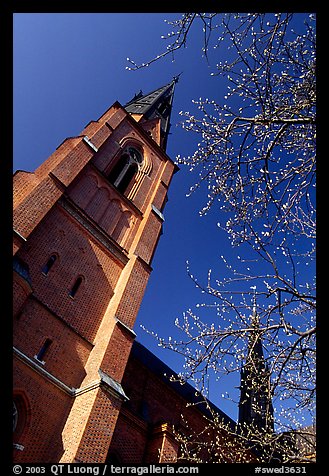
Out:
{"x": 125, "y": 169}
{"x": 50, "y": 263}
{"x": 75, "y": 286}
{"x": 15, "y": 415}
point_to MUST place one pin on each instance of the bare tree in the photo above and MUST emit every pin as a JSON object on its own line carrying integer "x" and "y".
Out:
{"x": 256, "y": 159}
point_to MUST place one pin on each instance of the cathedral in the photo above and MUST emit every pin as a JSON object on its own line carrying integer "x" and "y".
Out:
{"x": 86, "y": 227}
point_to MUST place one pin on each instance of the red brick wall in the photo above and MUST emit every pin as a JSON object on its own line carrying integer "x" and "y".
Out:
{"x": 21, "y": 291}
{"x": 68, "y": 353}
{"x": 65, "y": 163}
{"x": 103, "y": 203}
{"x": 78, "y": 255}
{"x": 80, "y": 428}
{"x": 98, "y": 134}
{"x": 151, "y": 404}
{"x": 160, "y": 197}
{"x": 31, "y": 210}
{"x": 114, "y": 119}
{"x": 168, "y": 173}
{"x": 149, "y": 238}
{"x": 146, "y": 388}
{"x": 117, "y": 353}
{"x": 156, "y": 405}
{"x": 130, "y": 440}
{"x": 56, "y": 157}
{"x": 133, "y": 294}
{"x": 100, "y": 427}
{"x": 103, "y": 118}
{"x": 125, "y": 133}
{"x": 48, "y": 410}
{"x": 73, "y": 162}
{"x": 23, "y": 183}
{"x": 161, "y": 446}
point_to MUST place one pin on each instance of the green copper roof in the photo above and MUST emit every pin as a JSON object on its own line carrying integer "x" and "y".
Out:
{"x": 156, "y": 104}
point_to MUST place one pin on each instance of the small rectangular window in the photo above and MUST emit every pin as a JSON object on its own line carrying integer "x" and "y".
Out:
{"x": 43, "y": 351}
{"x": 47, "y": 267}
{"x": 75, "y": 287}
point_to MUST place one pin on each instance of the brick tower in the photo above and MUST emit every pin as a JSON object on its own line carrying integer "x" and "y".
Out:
{"x": 86, "y": 225}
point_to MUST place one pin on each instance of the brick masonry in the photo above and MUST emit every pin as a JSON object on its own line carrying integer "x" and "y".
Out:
{"x": 144, "y": 431}
{"x": 68, "y": 211}
{"x": 73, "y": 320}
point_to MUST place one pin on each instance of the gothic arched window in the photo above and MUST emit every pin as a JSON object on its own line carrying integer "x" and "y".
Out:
{"x": 125, "y": 169}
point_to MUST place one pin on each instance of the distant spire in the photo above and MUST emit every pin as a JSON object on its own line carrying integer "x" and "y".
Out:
{"x": 254, "y": 316}
{"x": 157, "y": 103}
{"x": 255, "y": 406}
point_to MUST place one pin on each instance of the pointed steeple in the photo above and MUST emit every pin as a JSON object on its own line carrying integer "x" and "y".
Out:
{"x": 255, "y": 406}
{"x": 156, "y": 104}
{"x": 255, "y": 346}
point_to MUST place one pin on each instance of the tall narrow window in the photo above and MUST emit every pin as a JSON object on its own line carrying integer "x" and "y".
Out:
{"x": 123, "y": 172}
{"x": 127, "y": 178}
{"x": 43, "y": 350}
{"x": 50, "y": 263}
{"x": 75, "y": 287}
{"x": 118, "y": 169}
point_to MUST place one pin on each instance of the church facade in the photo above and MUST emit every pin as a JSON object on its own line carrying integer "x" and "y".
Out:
{"x": 86, "y": 226}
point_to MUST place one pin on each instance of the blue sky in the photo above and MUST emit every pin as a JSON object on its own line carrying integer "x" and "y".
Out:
{"x": 69, "y": 69}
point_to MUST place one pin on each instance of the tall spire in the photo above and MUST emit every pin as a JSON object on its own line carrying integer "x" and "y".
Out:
{"x": 255, "y": 406}
{"x": 156, "y": 104}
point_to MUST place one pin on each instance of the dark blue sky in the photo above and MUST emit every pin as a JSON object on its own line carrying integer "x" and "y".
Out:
{"x": 69, "y": 69}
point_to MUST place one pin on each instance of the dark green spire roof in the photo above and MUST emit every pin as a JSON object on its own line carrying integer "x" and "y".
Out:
{"x": 156, "y": 104}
